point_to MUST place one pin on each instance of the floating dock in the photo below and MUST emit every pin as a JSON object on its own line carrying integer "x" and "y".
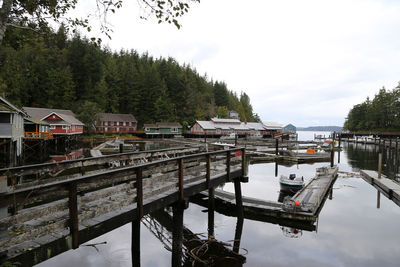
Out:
{"x": 311, "y": 199}
{"x": 386, "y": 186}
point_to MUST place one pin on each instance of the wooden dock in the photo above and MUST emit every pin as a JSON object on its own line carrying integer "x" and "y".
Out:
{"x": 311, "y": 199}
{"x": 289, "y": 156}
{"x": 386, "y": 186}
{"x": 49, "y": 218}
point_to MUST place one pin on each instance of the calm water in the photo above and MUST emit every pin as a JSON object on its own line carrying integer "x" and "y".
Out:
{"x": 351, "y": 231}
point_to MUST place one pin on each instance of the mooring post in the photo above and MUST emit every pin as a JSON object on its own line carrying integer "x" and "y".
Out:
{"x": 332, "y": 155}
{"x": 73, "y": 214}
{"x": 238, "y": 235}
{"x": 380, "y": 166}
{"x": 276, "y": 146}
{"x": 331, "y": 193}
{"x": 139, "y": 193}
{"x": 177, "y": 233}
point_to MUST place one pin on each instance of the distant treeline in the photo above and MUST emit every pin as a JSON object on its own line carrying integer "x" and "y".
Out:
{"x": 74, "y": 73}
{"x": 380, "y": 114}
{"x": 321, "y": 128}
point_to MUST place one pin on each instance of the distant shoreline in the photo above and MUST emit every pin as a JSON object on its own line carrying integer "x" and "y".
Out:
{"x": 321, "y": 128}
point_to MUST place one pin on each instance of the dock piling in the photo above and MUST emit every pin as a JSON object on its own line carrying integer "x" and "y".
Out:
{"x": 380, "y": 166}
{"x": 73, "y": 214}
{"x": 135, "y": 243}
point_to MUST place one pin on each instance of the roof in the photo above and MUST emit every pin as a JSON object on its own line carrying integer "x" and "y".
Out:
{"x": 206, "y": 125}
{"x": 218, "y": 120}
{"x": 41, "y": 113}
{"x": 169, "y": 125}
{"x": 35, "y": 121}
{"x": 255, "y": 126}
{"x": 271, "y": 125}
{"x": 150, "y": 125}
{"x": 117, "y": 117}
{"x": 209, "y": 125}
{"x": 7, "y": 106}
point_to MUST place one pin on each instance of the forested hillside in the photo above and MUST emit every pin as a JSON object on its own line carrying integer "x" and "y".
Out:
{"x": 57, "y": 72}
{"x": 380, "y": 114}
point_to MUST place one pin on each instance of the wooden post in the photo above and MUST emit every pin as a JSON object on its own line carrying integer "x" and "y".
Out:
{"x": 238, "y": 196}
{"x": 177, "y": 234}
{"x": 181, "y": 192}
{"x": 228, "y": 165}
{"x": 135, "y": 243}
{"x": 139, "y": 193}
{"x": 244, "y": 172}
{"x": 276, "y": 146}
{"x": 208, "y": 170}
{"x": 397, "y": 143}
{"x": 332, "y": 155}
{"x": 121, "y": 148}
{"x": 236, "y": 139}
{"x": 73, "y": 214}
{"x": 380, "y": 166}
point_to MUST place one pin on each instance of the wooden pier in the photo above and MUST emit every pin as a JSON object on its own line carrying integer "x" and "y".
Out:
{"x": 310, "y": 201}
{"x": 386, "y": 186}
{"x": 49, "y": 218}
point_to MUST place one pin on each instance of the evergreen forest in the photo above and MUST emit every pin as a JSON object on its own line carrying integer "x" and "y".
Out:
{"x": 379, "y": 114}
{"x": 57, "y": 71}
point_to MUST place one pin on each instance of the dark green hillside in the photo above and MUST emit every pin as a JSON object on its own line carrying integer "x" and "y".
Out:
{"x": 57, "y": 72}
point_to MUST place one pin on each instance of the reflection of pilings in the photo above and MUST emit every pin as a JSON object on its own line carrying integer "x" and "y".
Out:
{"x": 238, "y": 234}
{"x": 177, "y": 233}
{"x": 238, "y": 196}
{"x": 135, "y": 246}
{"x": 276, "y": 168}
{"x": 331, "y": 194}
{"x": 211, "y": 208}
{"x": 378, "y": 200}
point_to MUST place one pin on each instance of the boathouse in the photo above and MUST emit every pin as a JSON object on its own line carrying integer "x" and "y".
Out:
{"x": 163, "y": 128}
{"x": 273, "y": 128}
{"x": 116, "y": 123}
{"x": 61, "y": 121}
{"x": 219, "y": 126}
{"x": 11, "y": 131}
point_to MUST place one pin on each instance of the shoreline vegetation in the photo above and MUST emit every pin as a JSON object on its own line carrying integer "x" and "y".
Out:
{"x": 381, "y": 114}
{"x": 58, "y": 71}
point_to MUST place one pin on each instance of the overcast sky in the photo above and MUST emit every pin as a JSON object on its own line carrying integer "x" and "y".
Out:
{"x": 305, "y": 62}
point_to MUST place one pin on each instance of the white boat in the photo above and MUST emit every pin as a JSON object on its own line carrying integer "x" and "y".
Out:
{"x": 291, "y": 183}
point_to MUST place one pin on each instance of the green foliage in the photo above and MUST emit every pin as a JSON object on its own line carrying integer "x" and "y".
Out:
{"x": 77, "y": 74}
{"x": 88, "y": 114}
{"x": 380, "y": 114}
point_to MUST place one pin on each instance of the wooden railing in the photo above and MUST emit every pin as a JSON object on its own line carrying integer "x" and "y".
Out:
{"x": 38, "y": 135}
{"x": 17, "y": 197}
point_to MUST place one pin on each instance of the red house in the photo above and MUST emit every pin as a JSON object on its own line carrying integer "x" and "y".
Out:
{"x": 116, "y": 123}
{"x": 62, "y": 121}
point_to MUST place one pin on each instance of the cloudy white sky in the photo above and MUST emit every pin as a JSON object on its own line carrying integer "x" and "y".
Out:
{"x": 305, "y": 62}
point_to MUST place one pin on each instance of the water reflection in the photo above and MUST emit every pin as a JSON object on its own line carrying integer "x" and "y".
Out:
{"x": 351, "y": 230}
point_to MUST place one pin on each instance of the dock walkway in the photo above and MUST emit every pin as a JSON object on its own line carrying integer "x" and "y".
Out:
{"x": 386, "y": 186}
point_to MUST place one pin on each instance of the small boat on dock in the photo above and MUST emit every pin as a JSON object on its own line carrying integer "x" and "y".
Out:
{"x": 291, "y": 183}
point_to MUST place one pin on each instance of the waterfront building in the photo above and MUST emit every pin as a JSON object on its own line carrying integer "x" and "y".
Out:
{"x": 116, "y": 123}
{"x": 61, "y": 121}
{"x": 222, "y": 127}
{"x": 163, "y": 128}
{"x": 11, "y": 131}
{"x": 290, "y": 128}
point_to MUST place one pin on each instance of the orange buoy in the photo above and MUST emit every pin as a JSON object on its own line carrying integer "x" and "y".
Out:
{"x": 297, "y": 203}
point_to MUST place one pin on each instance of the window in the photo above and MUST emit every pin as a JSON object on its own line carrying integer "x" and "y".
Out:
{"x": 123, "y": 124}
{"x": 65, "y": 127}
{"x": 174, "y": 130}
{"x": 52, "y": 127}
{"x": 146, "y": 129}
{"x": 105, "y": 123}
{"x": 105, "y": 129}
